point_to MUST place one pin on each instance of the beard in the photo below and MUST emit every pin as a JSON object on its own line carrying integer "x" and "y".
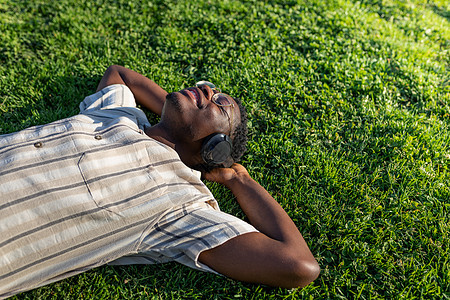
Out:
{"x": 178, "y": 129}
{"x": 172, "y": 98}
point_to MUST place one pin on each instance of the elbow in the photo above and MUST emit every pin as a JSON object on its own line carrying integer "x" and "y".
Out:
{"x": 305, "y": 273}
{"x": 113, "y": 69}
{"x": 300, "y": 272}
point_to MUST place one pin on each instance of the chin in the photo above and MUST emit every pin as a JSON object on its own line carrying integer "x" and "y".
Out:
{"x": 173, "y": 117}
{"x": 174, "y": 100}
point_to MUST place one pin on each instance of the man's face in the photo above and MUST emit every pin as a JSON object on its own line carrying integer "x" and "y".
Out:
{"x": 191, "y": 114}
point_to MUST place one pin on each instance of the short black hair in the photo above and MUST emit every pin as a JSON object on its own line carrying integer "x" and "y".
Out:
{"x": 240, "y": 134}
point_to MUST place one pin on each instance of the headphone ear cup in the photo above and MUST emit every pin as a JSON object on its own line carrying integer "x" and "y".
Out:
{"x": 216, "y": 150}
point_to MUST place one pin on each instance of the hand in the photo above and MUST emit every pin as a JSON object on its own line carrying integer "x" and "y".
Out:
{"x": 226, "y": 175}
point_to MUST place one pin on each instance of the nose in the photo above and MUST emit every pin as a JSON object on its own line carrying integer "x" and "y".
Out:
{"x": 209, "y": 92}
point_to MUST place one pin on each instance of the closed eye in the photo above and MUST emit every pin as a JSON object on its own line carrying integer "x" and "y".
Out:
{"x": 223, "y": 110}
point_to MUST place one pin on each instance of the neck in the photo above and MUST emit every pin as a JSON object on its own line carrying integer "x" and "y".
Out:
{"x": 158, "y": 133}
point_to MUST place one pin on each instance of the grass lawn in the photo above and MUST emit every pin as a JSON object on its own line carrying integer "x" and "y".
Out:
{"x": 349, "y": 108}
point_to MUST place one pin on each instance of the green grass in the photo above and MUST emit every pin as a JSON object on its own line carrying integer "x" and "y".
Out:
{"x": 349, "y": 103}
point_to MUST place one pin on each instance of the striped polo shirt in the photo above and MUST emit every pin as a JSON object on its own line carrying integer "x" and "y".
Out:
{"x": 92, "y": 189}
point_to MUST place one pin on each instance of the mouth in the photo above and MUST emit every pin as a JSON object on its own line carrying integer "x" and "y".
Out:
{"x": 191, "y": 94}
{"x": 195, "y": 95}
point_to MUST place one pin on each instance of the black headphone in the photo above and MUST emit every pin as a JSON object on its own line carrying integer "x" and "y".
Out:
{"x": 216, "y": 150}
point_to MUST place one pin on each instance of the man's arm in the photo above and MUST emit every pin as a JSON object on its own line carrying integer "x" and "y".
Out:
{"x": 277, "y": 255}
{"x": 145, "y": 91}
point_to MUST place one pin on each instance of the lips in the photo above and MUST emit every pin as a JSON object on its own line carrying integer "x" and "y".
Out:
{"x": 194, "y": 95}
{"x": 198, "y": 95}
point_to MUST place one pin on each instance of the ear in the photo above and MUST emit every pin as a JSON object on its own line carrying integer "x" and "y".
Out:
{"x": 216, "y": 150}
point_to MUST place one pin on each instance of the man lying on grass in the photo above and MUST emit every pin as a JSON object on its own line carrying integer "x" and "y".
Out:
{"x": 106, "y": 187}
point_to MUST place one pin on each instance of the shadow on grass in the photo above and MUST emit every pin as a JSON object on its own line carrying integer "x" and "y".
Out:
{"x": 56, "y": 97}
{"x": 407, "y": 86}
{"x": 70, "y": 91}
{"x": 174, "y": 280}
{"x": 440, "y": 11}
{"x": 161, "y": 281}
{"x": 44, "y": 100}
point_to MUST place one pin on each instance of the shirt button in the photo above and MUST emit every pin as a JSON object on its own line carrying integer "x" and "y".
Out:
{"x": 38, "y": 144}
{"x": 98, "y": 137}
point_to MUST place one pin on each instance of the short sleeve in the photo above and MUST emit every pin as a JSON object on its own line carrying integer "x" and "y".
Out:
{"x": 112, "y": 96}
{"x": 182, "y": 234}
{"x": 112, "y": 102}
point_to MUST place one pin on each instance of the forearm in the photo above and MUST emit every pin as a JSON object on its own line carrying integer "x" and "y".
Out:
{"x": 146, "y": 92}
{"x": 263, "y": 212}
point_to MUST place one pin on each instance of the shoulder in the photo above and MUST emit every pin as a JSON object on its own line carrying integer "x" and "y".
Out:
{"x": 115, "y": 95}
